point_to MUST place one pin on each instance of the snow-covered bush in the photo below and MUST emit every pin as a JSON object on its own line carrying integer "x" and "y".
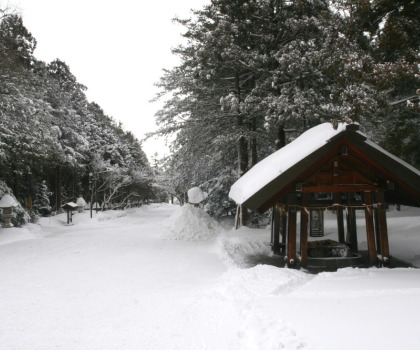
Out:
{"x": 217, "y": 202}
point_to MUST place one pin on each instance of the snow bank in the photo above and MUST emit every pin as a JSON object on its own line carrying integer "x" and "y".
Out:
{"x": 360, "y": 283}
{"x": 237, "y": 247}
{"x": 191, "y": 224}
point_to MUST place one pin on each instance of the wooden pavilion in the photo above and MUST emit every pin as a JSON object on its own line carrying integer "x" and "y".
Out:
{"x": 334, "y": 168}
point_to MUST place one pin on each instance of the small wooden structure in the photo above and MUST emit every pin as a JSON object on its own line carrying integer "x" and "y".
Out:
{"x": 329, "y": 168}
{"x": 69, "y": 208}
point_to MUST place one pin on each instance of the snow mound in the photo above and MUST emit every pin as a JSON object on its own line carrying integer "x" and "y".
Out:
{"x": 236, "y": 252}
{"x": 191, "y": 224}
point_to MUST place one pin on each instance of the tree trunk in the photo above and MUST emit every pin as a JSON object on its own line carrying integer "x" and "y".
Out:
{"x": 281, "y": 137}
{"x": 242, "y": 145}
{"x": 58, "y": 187}
{"x": 254, "y": 155}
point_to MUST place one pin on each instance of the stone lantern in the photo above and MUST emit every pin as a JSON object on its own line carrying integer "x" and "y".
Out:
{"x": 195, "y": 196}
{"x": 7, "y": 204}
{"x": 81, "y": 203}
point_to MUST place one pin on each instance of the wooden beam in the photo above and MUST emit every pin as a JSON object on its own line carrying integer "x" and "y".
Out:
{"x": 370, "y": 228}
{"x": 339, "y": 188}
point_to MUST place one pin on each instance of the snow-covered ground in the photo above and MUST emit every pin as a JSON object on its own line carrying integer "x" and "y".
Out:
{"x": 164, "y": 277}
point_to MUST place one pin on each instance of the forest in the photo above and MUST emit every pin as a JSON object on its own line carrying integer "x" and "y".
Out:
{"x": 55, "y": 145}
{"x": 253, "y": 75}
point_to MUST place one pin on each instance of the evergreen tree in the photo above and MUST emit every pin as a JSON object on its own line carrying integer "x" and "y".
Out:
{"x": 41, "y": 204}
{"x": 251, "y": 70}
{"x": 49, "y": 132}
{"x": 388, "y": 32}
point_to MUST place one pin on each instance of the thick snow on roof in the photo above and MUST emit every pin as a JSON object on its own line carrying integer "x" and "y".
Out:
{"x": 195, "y": 195}
{"x": 8, "y": 201}
{"x": 70, "y": 204}
{"x": 275, "y": 164}
{"x": 81, "y": 202}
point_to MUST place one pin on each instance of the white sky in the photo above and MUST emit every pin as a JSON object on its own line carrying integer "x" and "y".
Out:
{"x": 116, "y": 48}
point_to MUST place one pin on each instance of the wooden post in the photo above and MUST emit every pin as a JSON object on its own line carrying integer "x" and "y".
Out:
{"x": 351, "y": 239}
{"x": 354, "y": 242}
{"x": 304, "y": 232}
{"x": 283, "y": 230}
{"x": 276, "y": 230}
{"x": 340, "y": 224}
{"x": 272, "y": 228}
{"x": 340, "y": 218}
{"x": 237, "y": 218}
{"x": 377, "y": 234}
{"x": 383, "y": 229}
{"x": 291, "y": 237}
{"x": 370, "y": 228}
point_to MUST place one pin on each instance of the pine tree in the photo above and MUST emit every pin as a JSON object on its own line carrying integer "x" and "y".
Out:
{"x": 41, "y": 202}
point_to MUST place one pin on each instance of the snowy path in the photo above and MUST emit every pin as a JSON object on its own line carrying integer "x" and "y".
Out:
{"x": 113, "y": 282}
{"x": 110, "y": 287}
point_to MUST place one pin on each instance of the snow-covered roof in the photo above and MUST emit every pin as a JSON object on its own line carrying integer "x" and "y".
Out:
{"x": 278, "y": 173}
{"x": 70, "y": 204}
{"x": 8, "y": 201}
{"x": 278, "y": 162}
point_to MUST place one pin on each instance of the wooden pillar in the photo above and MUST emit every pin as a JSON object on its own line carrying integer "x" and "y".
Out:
{"x": 351, "y": 239}
{"x": 383, "y": 229}
{"x": 377, "y": 234}
{"x": 304, "y": 232}
{"x": 340, "y": 225}
{"x": 291, "y": 237}
{"x": 370, "y": 228}
{"x": 275, "y": 232}
{"x": 340, "y": 218}
{"x": 283, "y": 230}
{"x": 272, "y": 227}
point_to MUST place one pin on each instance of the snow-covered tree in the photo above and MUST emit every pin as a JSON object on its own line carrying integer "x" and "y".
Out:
{"x": 41, "y": 203}
{"x": 48, "y": 129}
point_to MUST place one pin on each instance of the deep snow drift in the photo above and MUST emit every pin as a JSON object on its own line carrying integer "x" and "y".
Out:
{"x": 188, "y": 223}
{"x": 124, "y": 280}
